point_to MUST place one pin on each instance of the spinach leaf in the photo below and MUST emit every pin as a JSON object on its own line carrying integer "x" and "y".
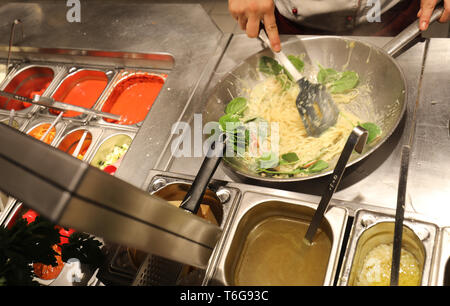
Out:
{"x": 297, "y": 62}
{"x": 268, "y": 160}
{"x": 236, "y": 106}
{"x": 228, "y": 122}
{"x": 373, "y": 130}
{"x": 269, "y": 65}
{"x": 289, "y": 158}
{"x": 327, "y": 75}
{"x": 318, "y": 166}
{"x": 347, "y": 81}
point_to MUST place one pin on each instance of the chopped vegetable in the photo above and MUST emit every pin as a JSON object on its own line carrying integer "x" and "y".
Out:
{"x": 236, "y": 106}
{"x": 373, "y": 130}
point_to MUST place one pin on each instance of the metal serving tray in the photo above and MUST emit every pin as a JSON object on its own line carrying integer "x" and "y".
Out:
{"x": 122, "y": 75}
{"x": 254, "y": 207}
{"x": 16, "y": 72}
{"x": 175, "y": 186}
{"x": 72, "y": 72}
{"x": 371, "y": 228}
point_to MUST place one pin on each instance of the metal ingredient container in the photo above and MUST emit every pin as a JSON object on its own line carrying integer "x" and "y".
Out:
{"x": 254, "y": 208}
{"x": 82, "y": 87}
{"x": 28, "y": 80}
{"x": 57, "y": 129}
{"x": 221, "y": 200}
{"x": 132, "y": 94}
{"x": 371, "y": 229}
{"x": 442, "y": 262}
{"x": 106, "y": 145}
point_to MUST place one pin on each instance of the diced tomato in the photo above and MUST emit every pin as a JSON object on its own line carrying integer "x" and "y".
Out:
{"x": 110, "y": 169}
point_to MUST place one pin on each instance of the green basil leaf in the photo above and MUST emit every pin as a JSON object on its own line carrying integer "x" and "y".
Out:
{"x": 268, "y": 160}
{"x": 318, "y": 166}
{"x": 327, "y": 75}
{"x": 347, "y": 81}
{"x": 290, "y": 157}
{"x": 228, "y": 122}
{"x": 297, "y": 62}
{"x": 373, "y": 130}
{"x": 236, "y": 106}
{"x": 269, "y": 65}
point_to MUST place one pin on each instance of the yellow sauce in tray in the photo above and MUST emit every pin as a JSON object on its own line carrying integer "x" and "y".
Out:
{"x": 274, "y": 254}
{"x": 376, "y": 268}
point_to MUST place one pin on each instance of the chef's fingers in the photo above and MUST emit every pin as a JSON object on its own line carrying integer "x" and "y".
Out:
{"x": 445, "y": 17}
{"x": 253, "y": 25}
{"x": 270, "y": 25}
{"x": 242, "y": 22}
{"x": 427, "y": 7}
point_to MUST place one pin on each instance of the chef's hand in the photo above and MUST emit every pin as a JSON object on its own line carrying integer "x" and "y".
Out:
{"x": 249, "y": 14}
{"x": 426, "y": 9}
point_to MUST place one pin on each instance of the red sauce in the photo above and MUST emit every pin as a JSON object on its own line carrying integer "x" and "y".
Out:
{"x": 133, "y": 97}
{"x": 27, "y": 83}
{"x": 81, "y": 89}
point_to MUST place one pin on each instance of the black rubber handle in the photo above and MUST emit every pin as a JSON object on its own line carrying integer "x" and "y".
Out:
{"x": 194, "y": 196}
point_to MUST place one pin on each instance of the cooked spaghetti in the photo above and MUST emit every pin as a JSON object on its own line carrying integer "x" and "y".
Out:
{"x": 282, "y": 148}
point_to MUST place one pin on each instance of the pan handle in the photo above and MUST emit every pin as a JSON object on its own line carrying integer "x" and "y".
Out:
{"x": 408, "y": 34}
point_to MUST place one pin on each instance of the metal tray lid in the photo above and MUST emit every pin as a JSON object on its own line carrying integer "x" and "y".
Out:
{"x": 69, "y": 192}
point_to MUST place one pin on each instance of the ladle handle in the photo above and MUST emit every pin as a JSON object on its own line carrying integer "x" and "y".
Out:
{"x": 399, "y": 216}
{"x": 355, "y": 141}
{"x": 194, "y": 196}
{"x": 408, "y": 34}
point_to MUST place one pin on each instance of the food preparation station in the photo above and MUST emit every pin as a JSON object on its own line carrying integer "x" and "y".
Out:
{"x": 183, "y": 44}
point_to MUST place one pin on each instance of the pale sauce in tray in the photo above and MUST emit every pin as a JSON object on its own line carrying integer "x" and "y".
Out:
{"x": 274, "y": 254}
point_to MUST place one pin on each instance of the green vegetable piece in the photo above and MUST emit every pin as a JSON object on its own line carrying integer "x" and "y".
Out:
{"x": 297, "y": 62}
{"x": 347, "y": 81}
{"x": 290, "y": 157}
{"x": 318, "y": 166}
{"x": 268, "y": 160}
{"x": 373, "y": 130}
{"x": 327, "y": 75}
{"x": 228, "y": 122}
{"x": 269, "y": 65}
{"x": 236, "y": 106}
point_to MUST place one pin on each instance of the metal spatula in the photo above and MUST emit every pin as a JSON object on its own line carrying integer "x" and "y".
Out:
{"x": 315, "y": 105}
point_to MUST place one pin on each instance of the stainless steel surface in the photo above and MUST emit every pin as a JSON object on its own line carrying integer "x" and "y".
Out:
{"x": 399, "y": 215}
{"x": 355, "y": 141}
{"x": 89, "y": 200}
{"x": 420, "y": 239}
